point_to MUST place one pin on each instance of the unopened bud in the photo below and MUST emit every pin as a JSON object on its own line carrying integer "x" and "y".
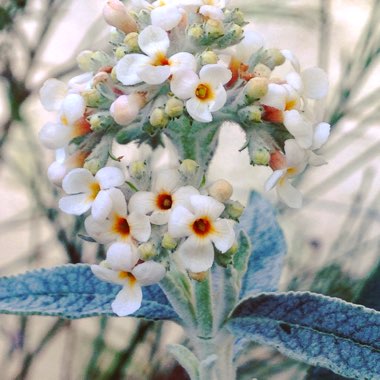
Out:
{"x": 195, "y": 31}
{"x": 236, "y": 32}
{"x": 251, "y": 114}
{"x": 84, "y": 60}
{"x": 126, "y": 108}
{"x": 260, "y": 157}
{"x": 237, "y": 16}
{"x": 188, "y": 168}
{"x": 208, "y": 57}
{"x": 275, "y": 58}
{"x": 168, "y": 242}
{"x": 221, "y": 190}
{"x": 200, "y": 276}
{"x": 138, "y": 169}
{"x": 120, "y": 52}
{"x": 214, "y": 28}
{"x": 277, "y": 160}
{"x": 116, "y": 14}
{"x": 234, "y": 209}
{"x": 91, "y": 97}
{"x": 262, "y": 71}
{"x": 256, "y": 88}
{"x": 100, "y": 77}
{"x": 158, "y": 118}
{"x": 93, "y": 165}
{"x": 95, "y": 122}
{"x": 174, "y": 107}
{"x": 147, "y": 251}
{"x": 131, "y": 42}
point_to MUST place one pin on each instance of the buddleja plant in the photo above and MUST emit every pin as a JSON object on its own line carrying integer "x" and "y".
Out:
{"x": 178, "y": 247}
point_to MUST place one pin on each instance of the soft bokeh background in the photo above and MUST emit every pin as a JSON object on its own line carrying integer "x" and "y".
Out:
{"x": 333, "y": 240}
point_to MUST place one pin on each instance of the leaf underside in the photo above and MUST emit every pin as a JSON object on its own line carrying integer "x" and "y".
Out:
{"x": 315, "y": 329}
{"x": 72, "y": 291}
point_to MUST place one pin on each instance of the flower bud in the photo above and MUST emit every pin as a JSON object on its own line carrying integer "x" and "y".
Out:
{"x": 174, "y": 107}
{"x": 221, "y": 190}
{"x": 234, "y": 209}
{"x": 84, "y": 60}
{"x": 256, "y": 88}
{"x": 195, "y": 31}
{"x": 116, "y": 14}
{"x": 120, "y": 52}
{"x": 93, "y": 165}
{"x": 214, "y": 28}
{"x": 147, "y": 251}
{"x": 188, "y": 168}
{"x": 260, "y": 156}
{"x": 208, "y": 57}
{"x": 262, "y": 71}
{"x": 138, "y": 169}
{"x": 95, "y": 122}
{"x": 200, "y": 276}
{"x": 274, "y": 58}
{"x": 100, "y": 77}
{"x": 126, "y": 108}
{"x": 168, "y": 242}
{"x": 91, "y": 97}
{"x": 277, "y": 160}
{"x": 236, "y": 32}
{"x": 158, "y": 118}
{"x": 131, "y": 42}
{"x": 251, "y": 114}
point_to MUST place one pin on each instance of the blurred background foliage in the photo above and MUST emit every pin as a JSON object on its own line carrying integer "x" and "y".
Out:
{"x": 333, "y": 240}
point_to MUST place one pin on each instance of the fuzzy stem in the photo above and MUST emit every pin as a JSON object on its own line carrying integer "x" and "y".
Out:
{"x": 204, "y": 310}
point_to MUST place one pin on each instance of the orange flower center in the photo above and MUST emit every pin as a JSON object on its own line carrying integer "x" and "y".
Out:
{"x": 160, "y": 60}
{"x": 164, "y": 201}
{"x": 127, "y": 276}
{"x": 204, "y": 92}
{"x": 121, "y": 226}
{"x": 202, "y": 226}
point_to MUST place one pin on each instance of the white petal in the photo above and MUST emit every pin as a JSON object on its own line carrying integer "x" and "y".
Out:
{"x": 166, "y": 181}
{"x": 315, "y": 159}
{"x": 52, "y": 94}
{"x": 316, "y": 83}
{"x": 166, "y": 17}
{"x": 220, "y": 99}
{"x": 153, "y": 74}
{"x": 251, "y": 42}
{"x": 126, "y": 68}
{"x": 224, "y": 237}
{"x": 295, "y": 80}
{"x": 184, "y": 83}
{"x": 54, "y": 135}
{"x": 292, "y": 59}
{"x": 182, "y": 61}
{"x": 149, "y": 273}
{"x": 73, "y": 107}
{"x": 295, "y": 156}
{"x": 211, "y": 12}
{"x": 321, "y": 134}
{"x": 142, "y": 202}
{"x": 119, "y": 204}
{"x": 160, "y": 217}
{"x": 275, "y": 97}
{"x": 182, "y": 196}
{"x": 140, "y": 226}
{"x": 179, "y": 222}
{"x": 289, "y": 194}
{"x": 153, "y": 40}
{"x": 196, "y": 257}
{"x": 106, "y": 274}
{"x": 128, "y": 300}
{"x": 205, "y": 205}
{"x": 80, "y": 82}
{"x": 110, "y": 176}
{"x": 122, "y": 256}
{"x": 78, "y": 181}
{"x": 101, "y": 206}
{"x": 198, "y": 110}
{"x": 215, "y": 73}
{"x": 99, "y": 230}
{"x": 299, "y": 127}
{"x": 271, "y": 182}
{"x": 56, "y": 172}
{"x": 76, "y": 204}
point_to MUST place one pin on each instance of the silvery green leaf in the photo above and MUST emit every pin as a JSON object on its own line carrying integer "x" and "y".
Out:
{"x": 186, "y": 359}
{"x": 268, "y": 247}
{"x": 315, "y": 329}
{"x": 73, "y": 291}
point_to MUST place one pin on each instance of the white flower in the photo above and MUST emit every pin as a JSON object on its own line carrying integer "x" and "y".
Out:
{"x": 126, "y": 108}
{"x": 166, "y": 14}
{"x": 121, "y": 267}
{"x": 205, "y": 93}
{"x": 201, "y": 225}
{"x": 72, "y": 123}
{"x": 320, "y": 136}
{"x": 154, "y": 67}
{"x": 294, "y": 163}
{"x": 86, "y": 190}
{"x": 119, "y": 225}
{"x": 166, "y": 194}
{"x": 54, "y": 91}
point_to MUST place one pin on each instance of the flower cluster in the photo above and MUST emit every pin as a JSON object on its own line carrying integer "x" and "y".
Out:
{"x": 183, "y": 66}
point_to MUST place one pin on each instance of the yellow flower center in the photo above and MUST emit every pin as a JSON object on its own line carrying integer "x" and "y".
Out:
{"x": 127, "y": 276}
{"x": 204, "y": 92}
{"x": 94, "y": 190}
{"x": 160, "y": 59}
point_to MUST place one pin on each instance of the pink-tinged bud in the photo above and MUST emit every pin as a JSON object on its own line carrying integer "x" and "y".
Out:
{"x": 100, "y": 77}
{"x": 116, "y": 14}
{"x": 126, "y": 108}
{"x": 277, "y": 160}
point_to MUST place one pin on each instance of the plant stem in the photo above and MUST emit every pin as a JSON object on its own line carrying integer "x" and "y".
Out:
{"x": 204, "y": 310}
